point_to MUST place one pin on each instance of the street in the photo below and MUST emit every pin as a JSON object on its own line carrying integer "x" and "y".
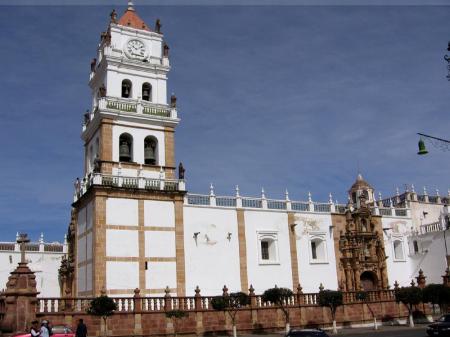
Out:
{"x": 396, "y": 331}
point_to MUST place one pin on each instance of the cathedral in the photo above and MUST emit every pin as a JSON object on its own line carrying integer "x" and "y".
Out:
{"x": 134, "y": 225}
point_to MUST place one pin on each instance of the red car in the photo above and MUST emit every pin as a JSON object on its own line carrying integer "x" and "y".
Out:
{"x": 58, "y": 331}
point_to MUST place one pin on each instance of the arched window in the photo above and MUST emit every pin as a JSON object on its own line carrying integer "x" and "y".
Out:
{"x": 150, "y": 150}
{"x": 125, "y": 147}
{"x": 126, "y": 88}
{"x": 146, "y": 92}
{"x": 318, "y": 252}
{"x": 398, "y": 250}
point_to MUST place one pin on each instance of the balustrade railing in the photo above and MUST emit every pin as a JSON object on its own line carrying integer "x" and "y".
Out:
{"x": 127, "y": 182}
{"x": 386, "y": 211}
{"x": 226, "y": 201}
{"x": 276, "y": 204}
{"x": 300, "y": 206}
{"x": 192, "y": 303}
{"x": 140, "y": 107}
{"x": 325, "y": 208}
{"x": 252, "y": 203}
{"x": 432, "y": 227}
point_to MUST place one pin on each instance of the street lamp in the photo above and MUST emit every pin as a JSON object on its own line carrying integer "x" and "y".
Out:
{"x": 439, "y": 143}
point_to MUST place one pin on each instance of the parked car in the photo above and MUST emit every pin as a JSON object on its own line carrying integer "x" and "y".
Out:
{"x": 441, "y": 327}
{"x": 306, "y": 333}
{"x": 58, "y": 331}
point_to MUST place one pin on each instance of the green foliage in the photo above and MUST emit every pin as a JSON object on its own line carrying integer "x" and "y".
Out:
{"x": 331, "y": 299}
{"x": 436, "y": 294}
{"x": 231, "y": 301}
{"x": 277, "y": 295}
{"x": 361, "y": 295}
{"x": 409, "y": 296}
{"x": 176, "y": 314}
{"x": 103, "y": 306}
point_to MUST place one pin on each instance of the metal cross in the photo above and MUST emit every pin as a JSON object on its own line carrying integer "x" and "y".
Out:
{"x": 22, "y": 241}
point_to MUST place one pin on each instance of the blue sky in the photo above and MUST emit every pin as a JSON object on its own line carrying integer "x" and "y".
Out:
{"x": 278, "y": 97}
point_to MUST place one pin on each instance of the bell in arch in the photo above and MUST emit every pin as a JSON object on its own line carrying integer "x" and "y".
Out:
{"x": 124, "y": 151}
{"x": 422, "y": 149}
{"x": 149, "y": 152}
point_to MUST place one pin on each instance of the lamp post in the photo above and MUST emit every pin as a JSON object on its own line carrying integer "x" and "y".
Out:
{"x": 440, "y": 143}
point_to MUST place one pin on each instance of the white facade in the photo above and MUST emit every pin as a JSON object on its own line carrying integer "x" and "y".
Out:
{"x": 43, "y": 258}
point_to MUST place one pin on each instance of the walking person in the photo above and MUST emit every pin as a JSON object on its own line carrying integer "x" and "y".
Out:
{"x": 81, "y": 329}
{"x": 35, "y": 331}
{"x": 44, "y": 329}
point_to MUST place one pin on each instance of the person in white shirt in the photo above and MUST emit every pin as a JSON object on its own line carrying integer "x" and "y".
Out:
{"x": 44, "y": 330}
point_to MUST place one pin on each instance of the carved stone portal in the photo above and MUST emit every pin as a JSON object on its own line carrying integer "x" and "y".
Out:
{"x": 362, "y": 255}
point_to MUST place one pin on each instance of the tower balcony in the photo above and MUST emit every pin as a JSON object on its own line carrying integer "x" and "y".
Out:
{"x": 119, "y": 181}
{"x": 137, "y": 106}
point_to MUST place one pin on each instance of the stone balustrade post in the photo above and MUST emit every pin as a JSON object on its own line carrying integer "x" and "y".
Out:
{"x": 167, "y": 299}
{"x": 137, "y": 300}
{"x": 224, "y": 291}
{"x": 299, "y": 295}
{"x": 251, "y": 293}
{"x": 198, "y": 299}
{"x": 421, "y": 279}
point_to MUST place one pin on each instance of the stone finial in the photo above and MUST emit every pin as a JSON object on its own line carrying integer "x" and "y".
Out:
{"x": 309, "y": 197}
{"x": 397, "y": 192}
{"x": 224, "y": 291}
{"x": 412, "y": 188}
{"x": 173, "y": 101}
{"x": 197, "y": 291}
{"x": 391, "y": 203}
{"x": 421, "y": 279}
{"x": 158, "y": 26}
{"x": 137, "y": 292}
{"x": 448, "y": 193}
{"x": 286, "y": 194}
{"x": 41, "y": 238}
{"x": 437, "y": 192}
{"x": 22, "y": 241}
{"x": 406, "y": 188}
{"x": 396, "y": 285}
{"x": 237, "y": 191}
{"x": 412, "y": 283}
{"x": 167, "y": 291}
{"x": 113, "y": 16}
{"x": 425, "y": 191}
{"x": 321, "y": 287}
{"x": 251, "y": 290}
{"x": 263, "y": 194}
{"x": 103, "y": 291}
{"x": 211, "y": 190}
{"x": 379, "y": 196}
{"x": 330, "y": 198}
{"x": 299, "y": 289}
{"x": 130, "y": 5}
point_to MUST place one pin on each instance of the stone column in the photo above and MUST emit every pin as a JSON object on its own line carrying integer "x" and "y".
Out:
{"x": 421, "y": 279}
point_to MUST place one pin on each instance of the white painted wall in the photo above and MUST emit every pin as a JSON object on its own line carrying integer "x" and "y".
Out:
{"x": 159, "y": 244}
{"x": 122, "y": 275}
{"x": 214, "y": 263}
{"x": 159, "y": 213}
{"x": 311, "y": 272}
{"x": 423, "y": 213}
{"x": 138, "y": 135}
{"x": 398, "y": 270}
{"x": 122, "y": 212}
{"x": 159, "y": 275}
{"x": 122, "y": 243}
{"x": 264, "y": 276}
{"x": 431, "y": 255}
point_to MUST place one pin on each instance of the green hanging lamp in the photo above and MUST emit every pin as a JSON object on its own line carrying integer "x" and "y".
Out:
{"x": 422, "y": 149}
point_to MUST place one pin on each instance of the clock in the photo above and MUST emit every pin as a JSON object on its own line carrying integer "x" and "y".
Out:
{"x": 135, "y": 49}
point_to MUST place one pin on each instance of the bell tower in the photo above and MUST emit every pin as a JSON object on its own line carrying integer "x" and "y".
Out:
{"x": 128, "y": 207}
{"x": 131, "y": 124}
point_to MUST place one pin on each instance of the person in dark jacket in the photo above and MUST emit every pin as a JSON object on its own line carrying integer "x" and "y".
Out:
{"x": 81, "y": 329}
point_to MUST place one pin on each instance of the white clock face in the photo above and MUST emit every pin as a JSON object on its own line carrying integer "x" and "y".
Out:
{"x": 135, "y": 49}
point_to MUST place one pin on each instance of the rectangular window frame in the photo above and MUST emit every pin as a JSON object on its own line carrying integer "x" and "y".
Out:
{"x": 323, "y": 237}
{"x": 401, "y": 239}
{"x": 273, "y": 237}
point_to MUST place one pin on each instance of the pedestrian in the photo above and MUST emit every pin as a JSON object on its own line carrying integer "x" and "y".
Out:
{"x": 81, "y": 329}
{"x": 44, "y": 329}
{"x": 35, "y": 331}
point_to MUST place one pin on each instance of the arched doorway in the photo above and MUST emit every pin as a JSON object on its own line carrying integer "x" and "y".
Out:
{"x": 368, "y": 281}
